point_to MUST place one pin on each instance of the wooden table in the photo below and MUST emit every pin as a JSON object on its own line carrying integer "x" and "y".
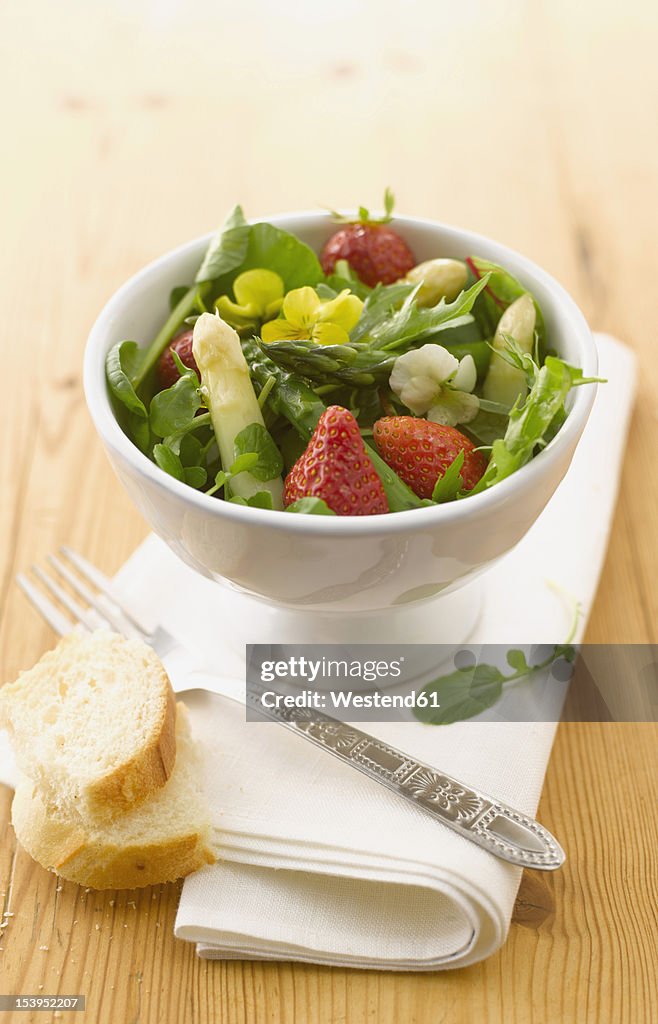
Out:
{"x": 131, "y": 129}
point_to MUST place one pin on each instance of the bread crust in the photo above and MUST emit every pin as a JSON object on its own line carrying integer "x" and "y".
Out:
{"x": 101, "y": 864}
{"x": 137, "y": 779}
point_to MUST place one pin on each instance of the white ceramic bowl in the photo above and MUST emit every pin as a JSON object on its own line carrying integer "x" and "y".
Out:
{"x": 341, "y": 564}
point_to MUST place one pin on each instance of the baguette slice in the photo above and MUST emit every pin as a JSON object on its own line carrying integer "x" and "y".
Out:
{"x": 93, "y": 724}
{"x": 166, "y": 838}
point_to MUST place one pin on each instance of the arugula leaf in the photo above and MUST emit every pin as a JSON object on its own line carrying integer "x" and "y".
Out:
{"x": 501, "y": 291}
{"x": 227, "y": 249}
{"x": 462, "y": 694}
{"x": 379, "y": 303}
{"x": 173, "y": 410}
{"x": 312, "y": 506}
{"x": 529, "y": 423}
{"x": 256, "y": 439}
{"x": 412, "y": 322}
{"x": 448, "y": 486}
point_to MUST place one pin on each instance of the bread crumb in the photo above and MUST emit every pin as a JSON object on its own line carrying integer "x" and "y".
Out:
{"x": 8, "y": 913}
{"x": 98, "y": 927}
{"x": 44, "y": 949}
{"x": 131, "y": 903}
{"x": 112, "y": 902}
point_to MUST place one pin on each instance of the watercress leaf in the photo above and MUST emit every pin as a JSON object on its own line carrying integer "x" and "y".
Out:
{"x": 413, "y": 323}
{"x": 448, "y": 486}
{"x": 238, "y": 500}
{"x": 501, "y": 291}
{"x": 176, "y": 294}
{"x": 462, "y": 694}
{"x": 227, "y": 249}
{"x": 184, "y": 371}
{"x": 261, "y": 499}
{"x": 168, "y": 460}
{"x": 173, "y": 409}
{"x": 121, "y": 367}
{"x": 190, "y": 450}
{"x": 244, "y": 462}
{"x": 516, "y": 659}
{"x": 221, "y": 479}
{"x": 312, "y": 506}
{"x": 195, "y": 476}
{"x": 256, "y": 439}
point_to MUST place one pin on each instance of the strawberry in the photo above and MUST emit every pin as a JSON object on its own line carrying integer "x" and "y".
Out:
{"x": 420, "y": 452}
{"x": 337, "y": 468}
{"x": 167, "y": 370}
{"x": 375, "y": 252}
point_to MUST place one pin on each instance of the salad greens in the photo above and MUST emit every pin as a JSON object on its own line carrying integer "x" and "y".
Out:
{"x": 224, "y": 410}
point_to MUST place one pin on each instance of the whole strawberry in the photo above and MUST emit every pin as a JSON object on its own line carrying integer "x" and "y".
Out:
{"x": 375, "y": 252}
{"x": 420, "y": 452}
{"x": 337, "y": 468}
{"x": 167, "y": 370}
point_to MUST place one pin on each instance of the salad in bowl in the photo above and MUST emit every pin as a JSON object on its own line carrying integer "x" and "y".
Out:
{"x": 349, "y": 381}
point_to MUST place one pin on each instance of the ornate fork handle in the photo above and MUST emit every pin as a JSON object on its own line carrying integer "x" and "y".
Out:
{"x": 496, "y": 827}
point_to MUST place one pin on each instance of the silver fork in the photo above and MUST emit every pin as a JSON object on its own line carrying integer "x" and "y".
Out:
{"x": 491, "y": 824}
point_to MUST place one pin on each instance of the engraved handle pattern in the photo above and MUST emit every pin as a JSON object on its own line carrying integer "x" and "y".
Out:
{"x": 504, "y": 832}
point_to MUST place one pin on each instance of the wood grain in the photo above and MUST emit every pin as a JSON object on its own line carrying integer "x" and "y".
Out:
{"x": 130, "y": 128}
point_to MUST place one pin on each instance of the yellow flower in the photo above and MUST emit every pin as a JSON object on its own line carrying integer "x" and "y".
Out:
{"x": 258, "y": 297}
{"x": 305, "y": 315}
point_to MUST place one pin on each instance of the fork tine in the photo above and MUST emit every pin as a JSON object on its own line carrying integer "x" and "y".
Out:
{"x": 113, "y": 614}
{"x": 86, "y": 616}
{"x": 48, "y": 611}
{"x": 102, "y": 583}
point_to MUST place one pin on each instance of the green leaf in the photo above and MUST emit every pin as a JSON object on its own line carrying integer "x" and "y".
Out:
{"x": 176, "y": 294}
{"x": 244, "y": 462}
{"x": 311, "y": 506}
{"x": 227, "y": 249}
{"x": 462, "y": 694}
{"x": 189, "y": 449}
{"x": 168, "y": 461}
{"x": 121, "y": 368}
{"x": 173, "y": 410}
{"x": 529, "y": 423}
{"x": 516, "y": 659}
{"x": 448, "y": 486}
{"x": 195, "y": 476}
{"x": 283, "y": 253}
{"x": 379, "y": 304}
{"x": 412, "y": 322}
{"x": 501, "y": 291}
{"x": 256, "y": 439}
{"x": 238, "y": 500}
{"x": 261, "y": 499}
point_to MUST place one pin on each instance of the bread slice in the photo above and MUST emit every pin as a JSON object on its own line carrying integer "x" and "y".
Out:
{"x": 165, "y": 838}
{"x": 93, "y": 724}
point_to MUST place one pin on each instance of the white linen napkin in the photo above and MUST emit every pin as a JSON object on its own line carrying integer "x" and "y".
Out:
{"x": 318, "y": 863}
